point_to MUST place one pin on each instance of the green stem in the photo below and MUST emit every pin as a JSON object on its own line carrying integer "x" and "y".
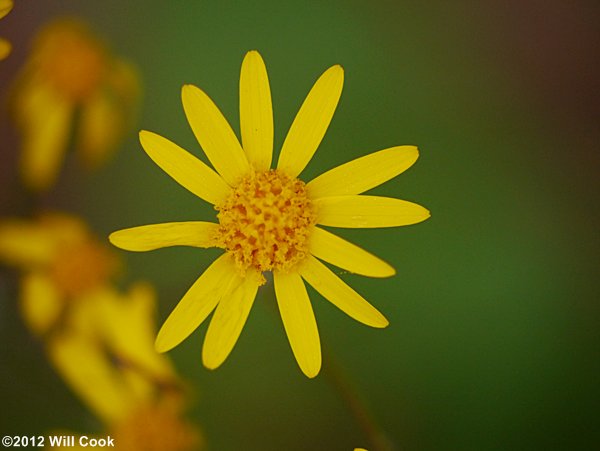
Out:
{"x": 356, "y": 404}
{"x": 347, "y": 390}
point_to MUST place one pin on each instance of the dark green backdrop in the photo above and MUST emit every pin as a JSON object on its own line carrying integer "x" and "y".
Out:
{"x": 493, "y": 342}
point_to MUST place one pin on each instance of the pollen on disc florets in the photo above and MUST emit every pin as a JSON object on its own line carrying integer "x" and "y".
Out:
{"x": 266, "y": 221}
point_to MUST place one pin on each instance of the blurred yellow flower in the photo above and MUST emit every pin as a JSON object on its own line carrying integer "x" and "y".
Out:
{"x": 5, "y": 47}
{"x": 268, "y": 218}
{"x": 105, "y": 353}
{"x": 71, "y": 86}
{"x": 100, "y": 340}
{"x": 61, "y": 263}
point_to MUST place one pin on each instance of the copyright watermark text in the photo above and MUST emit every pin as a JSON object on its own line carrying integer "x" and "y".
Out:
{"x": 51, "y": 441}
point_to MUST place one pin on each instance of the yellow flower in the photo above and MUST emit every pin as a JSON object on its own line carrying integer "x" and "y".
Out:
{"x": 268, "y": 218}
{"x": 99, "y": 340}
{"x": 105, "y": 354}
{"x": 5, "y": 47}
{"x": 71, "y": 86}
{"x": 62, "y": 263}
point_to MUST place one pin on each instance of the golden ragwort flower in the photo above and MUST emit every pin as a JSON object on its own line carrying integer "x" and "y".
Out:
{"x": 99, "y": 340}
{"x": 5, "y": 47}
{"x": 61, "y": 262}
{"x": 268, "y": 218}
{"x": 71, "y": 85}
{"x": 106, "y": 356}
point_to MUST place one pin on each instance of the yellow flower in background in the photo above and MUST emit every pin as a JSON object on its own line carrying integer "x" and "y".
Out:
{"x": 5, "y": 47}
{"x": 71, "y": 86}
{"x": 104, "y": 351}
{"x": 61, "y": 264}
{"x": 100, "y": 340}
{"x": 105, "y": 354}
{"x": 268, "y": 218}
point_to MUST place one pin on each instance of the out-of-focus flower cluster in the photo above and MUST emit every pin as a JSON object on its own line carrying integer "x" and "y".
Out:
{"x": 72, "y": 93}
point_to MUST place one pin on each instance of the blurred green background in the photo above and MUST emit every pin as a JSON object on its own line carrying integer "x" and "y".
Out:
{"x": 494, "y": 338}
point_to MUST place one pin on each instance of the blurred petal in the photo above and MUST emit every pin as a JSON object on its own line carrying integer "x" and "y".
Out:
{"x": 46, "y": 127}
{"x": 187, "y": 170}
{"x": 26, "y": 244}
{"x": 311, "y": 122}
{"x": 228, "y": 321}
{"x": 201, "y": 299}
{"x": 256, "y": 112}
{"x": 362, "y": 174}
{"x": 341, "y": 253}
{"x": 339, "y": 294}
{"x": 109, "y": 113}
{"x": 124, "y": 82}
{"x": 368, "y": 212}
{"x": 299, "y": 321}
{"x": 128, "y": 328}
{"x": 214, "y": 134}
{"x": 100, "y": 128}
{"x": 40, "y": 302}
{"x": 89, "y": 373}
{"x": 156, "y": 236}
{"x": 5, "y": 48}
{"x": 5, "y": 7}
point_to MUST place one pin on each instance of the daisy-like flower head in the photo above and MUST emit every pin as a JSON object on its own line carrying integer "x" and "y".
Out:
{"x": 268, "y": 219}
{"x": 5, "y": 47}
{"x": 61, "y": 263}
{"x": 105, "y": 354}
{"x": 71, "y": 85}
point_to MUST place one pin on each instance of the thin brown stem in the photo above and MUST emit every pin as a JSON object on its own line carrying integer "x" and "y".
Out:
{"x": 356, "y": 404}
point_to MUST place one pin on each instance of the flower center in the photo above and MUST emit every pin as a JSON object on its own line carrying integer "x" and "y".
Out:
{"x": 71, "y": 59}
{"x": 82, "y": 267}
{"x": 157, "y": 428}
{"x": 266, "y": 221}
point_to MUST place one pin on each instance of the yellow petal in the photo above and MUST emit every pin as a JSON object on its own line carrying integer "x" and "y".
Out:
{"x": 128, "y": 329}
{"x": 100, "y": 128}
{"x": 368, "y": 212}
{"x": 341, "y": 253}
{"x": 5, "y": 7}
{"x": 214, "y": 134}
{"x": 256, "y": 112}
{"x": 187, "y": 170}
{"x": 40, "y": 302}
{"x": 124, "y": 82}
{"x": 311, "y": 122}
{"x": 362, "y": 174}
{"x": 26, "y": 245}
{"x": 5, "y": 48}
{"x": 46, "y": 128}
{"x": 339, "y": 294}
{"x": 156, "y": 236}
{"x": 299, "y": 321}
{"x": 109, "y": 113}
{"x": 85, "y": 368}
{"x": 228, "y": 321}
{"x": 201, "y": 299}
{"x": 111, "y": 320}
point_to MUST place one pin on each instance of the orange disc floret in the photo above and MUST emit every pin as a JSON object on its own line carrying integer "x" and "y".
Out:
{"x": 82, "y": 267}
{"x": 266, "y": 221}
{"x": 71, "y": 58}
